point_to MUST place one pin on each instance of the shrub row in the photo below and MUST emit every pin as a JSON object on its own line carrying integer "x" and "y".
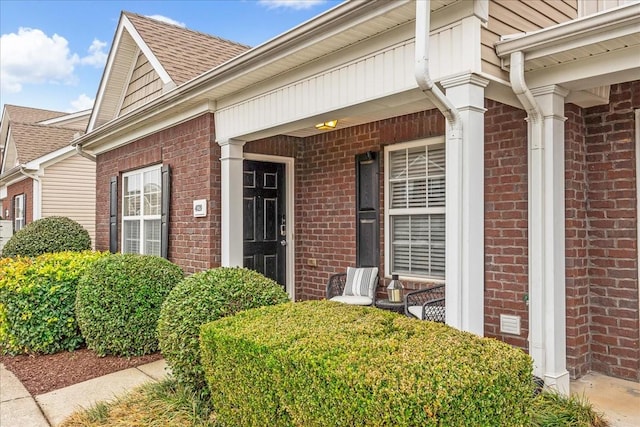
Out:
{"x": 322, "y": 363}
{"x": 48, "y": 235}
{"x": 118, "y": 302}
{"x": 37, "y": 302}
{"x": 202, "y": 298}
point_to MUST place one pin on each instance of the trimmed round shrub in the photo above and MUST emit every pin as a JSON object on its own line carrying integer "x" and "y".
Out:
{"x": 37, "y": 302}
{"x": 201, "y": 298}
{"x": 118, "y": 302}
{"x": 48, "y": 235}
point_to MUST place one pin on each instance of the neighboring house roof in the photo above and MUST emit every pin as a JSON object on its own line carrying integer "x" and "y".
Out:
{"x": 16, "y": 113}
{"x": 34, "y": 141}
{"x": 184, "y": 53}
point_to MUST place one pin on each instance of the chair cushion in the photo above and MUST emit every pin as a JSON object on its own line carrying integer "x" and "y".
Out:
{"x": 352, "y": 299}
{"x": 432, "y": 312}
{"x": 361, "y": 282}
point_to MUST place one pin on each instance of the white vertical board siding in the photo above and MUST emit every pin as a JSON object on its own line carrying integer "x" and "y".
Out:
{"x": 371, "y": 76}
{"x": 69, "y": 189}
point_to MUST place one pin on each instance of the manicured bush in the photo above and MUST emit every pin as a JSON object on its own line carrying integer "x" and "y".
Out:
{"x": 328, "y": 364}
{"x": 118, "y": 302}
{"x": 37, "y": 302}
{"x": 202, "y": 298}
{"x": 48, "y": 235}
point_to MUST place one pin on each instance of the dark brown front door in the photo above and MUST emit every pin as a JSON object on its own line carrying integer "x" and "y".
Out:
{"x": 264, "y": 219}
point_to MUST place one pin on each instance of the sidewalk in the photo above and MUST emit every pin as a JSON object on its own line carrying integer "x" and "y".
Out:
{"x": 19, "y": 409}
{"x": 618, "y": 399}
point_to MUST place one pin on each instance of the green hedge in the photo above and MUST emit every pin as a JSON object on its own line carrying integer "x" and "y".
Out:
{"x": 201, "y": 298}
{"x": 118, "y": 302}
{"x": 48, "y": 235}
{"x": 328, "y": 364}
{"x": 37, "y": 299}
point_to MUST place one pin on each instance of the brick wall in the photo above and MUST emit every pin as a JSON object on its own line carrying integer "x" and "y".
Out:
{"x": 613, "y": 245}
{"x": 506, "y": 245}
{"x": 23, "y": 187}
{"x": 190, "y": 150}
{"x": 325, "y": 194}
{"x": 576, "y": 244}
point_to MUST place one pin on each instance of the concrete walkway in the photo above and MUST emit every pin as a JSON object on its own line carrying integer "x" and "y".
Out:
{"x": 618, "y": 399}
{"x": 19, "y": 409}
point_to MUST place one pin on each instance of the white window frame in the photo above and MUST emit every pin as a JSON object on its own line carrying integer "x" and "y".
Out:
{"x": 142, "y": 217}
{"x": 15, "y": 209}
{"x": 389, "y": 212}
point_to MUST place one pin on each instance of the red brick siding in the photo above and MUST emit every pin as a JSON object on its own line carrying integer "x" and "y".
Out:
{"x": 613, "y": 245}
{"x": 23, "y": 187}
{"x": 325, "y": 194}
{"x": 190, "y": 150}
{"x": 506, "y": 245}
{"x": 576, "y": 243}
{"x": 281, "y": 145}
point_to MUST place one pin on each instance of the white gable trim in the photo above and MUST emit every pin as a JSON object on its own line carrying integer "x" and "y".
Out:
{"x": 125, "y": 25}
{"x": 164, "y": 76}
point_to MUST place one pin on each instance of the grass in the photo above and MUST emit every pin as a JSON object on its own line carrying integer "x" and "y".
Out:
{"x": 167, "y": 403}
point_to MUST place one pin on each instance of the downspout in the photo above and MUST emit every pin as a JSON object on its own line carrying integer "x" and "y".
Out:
{"x": 37, "y": 193}
{"x": 84, "y": 153}
{"x": 453, "y": 192}
{"x": 536, "y": 240}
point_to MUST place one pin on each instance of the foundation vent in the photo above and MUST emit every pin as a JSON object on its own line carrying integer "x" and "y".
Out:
{"x": 510, "y": 324}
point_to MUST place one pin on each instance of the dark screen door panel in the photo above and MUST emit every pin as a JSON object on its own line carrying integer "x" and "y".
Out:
{"x": 264, "y": 219}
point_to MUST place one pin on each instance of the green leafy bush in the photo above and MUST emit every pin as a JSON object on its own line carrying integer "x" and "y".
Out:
{"x": 321, "y": 363}
{"x": 48, "y": 235}
{"x": 552, "y": 409}
{"x": 37, "y": 302}
{"x": 201, "y": 298}
{"x": 118, "y": 302}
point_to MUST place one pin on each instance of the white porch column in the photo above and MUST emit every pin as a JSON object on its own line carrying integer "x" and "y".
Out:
{"x": 465, "y": 206}
{"x": 547, "y": 314}
{"x": 231, "y": 202}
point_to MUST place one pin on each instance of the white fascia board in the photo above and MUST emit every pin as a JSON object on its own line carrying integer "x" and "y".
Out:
{"x": 332, "y": 22}
{"x": 50, "y": 158}
{"x": 66, "y": 117}
{"x": 107, "y": 72}
{"x": 579, "y": 32}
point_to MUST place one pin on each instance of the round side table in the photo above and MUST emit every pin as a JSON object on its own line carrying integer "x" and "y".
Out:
{"x": 385, "y": 304}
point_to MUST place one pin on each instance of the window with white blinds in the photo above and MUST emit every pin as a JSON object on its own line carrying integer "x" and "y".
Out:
{"x": 415, "y": 203}
{"x": 141, "y": 208}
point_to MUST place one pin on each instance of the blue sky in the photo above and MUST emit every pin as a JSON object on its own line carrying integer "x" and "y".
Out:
{"x": 52, "y": 53}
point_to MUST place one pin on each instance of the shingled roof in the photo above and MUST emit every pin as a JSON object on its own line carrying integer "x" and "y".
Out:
{"x": 184, "y": 53}
{"x": 16, "y": 113}
{"x": 33, "y": 141}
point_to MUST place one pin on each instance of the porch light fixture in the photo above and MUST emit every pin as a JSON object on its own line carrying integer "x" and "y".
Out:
{"x": 330, "y": 125}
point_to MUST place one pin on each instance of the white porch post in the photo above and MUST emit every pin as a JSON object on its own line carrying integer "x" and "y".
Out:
{"x": 465, "y": 206}
{"x": 547, "y": 314}
{"x": 231, "y": 202}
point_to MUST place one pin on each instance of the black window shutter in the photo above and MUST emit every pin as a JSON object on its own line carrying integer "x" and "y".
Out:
{"x": 367, "y": 207}
{"x": 164, "y": 217}
{"x": 113, "y": 215}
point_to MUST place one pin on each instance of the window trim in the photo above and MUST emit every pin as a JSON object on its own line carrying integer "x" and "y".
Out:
{"x": 388, "y": 212}
{"x": 140, "y": 218}
{"x": 24, "y": 214}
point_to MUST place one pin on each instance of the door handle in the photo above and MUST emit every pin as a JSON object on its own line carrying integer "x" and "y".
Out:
{"x": 283, "y": 242}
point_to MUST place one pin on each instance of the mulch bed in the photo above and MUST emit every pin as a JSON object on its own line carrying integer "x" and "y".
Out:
{"x": 44, "y": 373}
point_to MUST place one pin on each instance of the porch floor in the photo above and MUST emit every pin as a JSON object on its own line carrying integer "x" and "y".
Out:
{"x": 618, "y": 399}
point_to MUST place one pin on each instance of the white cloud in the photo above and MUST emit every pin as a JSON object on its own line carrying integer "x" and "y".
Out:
{"x": 293, "y": 4}
{"x": 83, "y": 102}
{"x": 30, "y": 56}
{"x": 167, "y": 20}
{"x": 97, "y": 56}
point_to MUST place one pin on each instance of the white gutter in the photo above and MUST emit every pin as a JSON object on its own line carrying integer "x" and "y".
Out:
{"x": 454, "y": 160}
